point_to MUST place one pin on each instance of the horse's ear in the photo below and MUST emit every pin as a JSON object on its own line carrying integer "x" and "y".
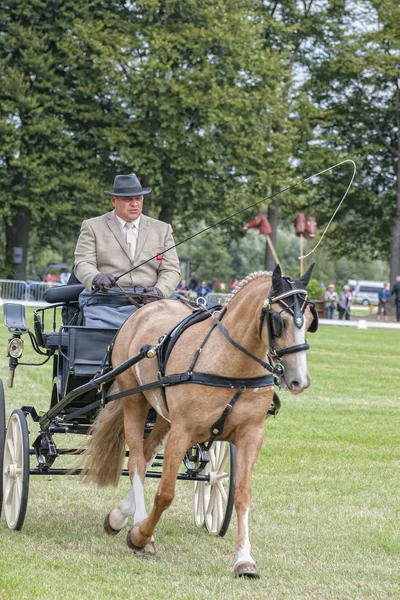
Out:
{"x": 305, "y": 279}
{"x": 277, "y": 279}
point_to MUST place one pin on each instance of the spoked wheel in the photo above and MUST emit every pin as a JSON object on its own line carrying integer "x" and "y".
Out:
{"x": 2, "y": 436}
{"x": 213, "y": 500}
{"x": 16, "y": 466}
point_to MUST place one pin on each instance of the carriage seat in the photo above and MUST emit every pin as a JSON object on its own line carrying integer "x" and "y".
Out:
{"x": 63, "y": 293}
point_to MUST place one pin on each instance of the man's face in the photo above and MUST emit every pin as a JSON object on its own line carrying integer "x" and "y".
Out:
{"x": 128, "y": 208}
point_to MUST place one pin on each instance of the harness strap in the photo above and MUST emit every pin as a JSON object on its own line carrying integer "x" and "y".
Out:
{"x": 292, "y": 349}
{"x": 217, "y": 428}
{"x": 239, "y": 347}
{"x": 200, "y": 379}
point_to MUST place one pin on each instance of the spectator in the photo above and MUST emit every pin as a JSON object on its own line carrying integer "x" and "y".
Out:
{"x": 183, "y": 288}
{"x": 330, "y": 298}
{"x": 396, "y": 293}
{"x": 384, "y": 297}
{"x": 64, "y": 276}
{"x": 233, "y": 284}
{"x": 345, "y": 302}
{"x": 202, "y": 290}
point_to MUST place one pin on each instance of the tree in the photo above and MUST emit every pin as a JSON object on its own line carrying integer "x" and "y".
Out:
{"x": 208, "y": 128}
{"x": 354, "y": 81}
{"x": 58, "y": 112}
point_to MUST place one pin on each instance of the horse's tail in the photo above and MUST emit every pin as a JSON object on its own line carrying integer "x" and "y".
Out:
{"x": 105, "y": 451}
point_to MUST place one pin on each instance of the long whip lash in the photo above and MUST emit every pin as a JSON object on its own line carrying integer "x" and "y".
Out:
{"x": 239, "y": 212}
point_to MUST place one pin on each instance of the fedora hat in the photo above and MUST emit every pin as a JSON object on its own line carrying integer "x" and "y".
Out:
{"x": 128, "y": 185}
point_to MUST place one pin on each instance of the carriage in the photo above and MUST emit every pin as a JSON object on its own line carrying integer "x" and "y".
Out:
{"x": 212, "y": 361}
{"x": 81, "y": 379}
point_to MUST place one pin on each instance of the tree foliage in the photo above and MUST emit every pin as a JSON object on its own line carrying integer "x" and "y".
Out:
{"x": 58, "y": 64}
{"x": 354, "y": 82}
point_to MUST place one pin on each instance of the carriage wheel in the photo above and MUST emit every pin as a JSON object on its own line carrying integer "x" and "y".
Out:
{"x": 16, "y": 466}
{"x": 213, "y": 500}
{"x": 2, "y": 436}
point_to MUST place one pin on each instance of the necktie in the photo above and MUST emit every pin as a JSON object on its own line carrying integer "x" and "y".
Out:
{"x": 131, "y": 239}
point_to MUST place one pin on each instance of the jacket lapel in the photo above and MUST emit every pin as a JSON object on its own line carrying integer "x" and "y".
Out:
{"x": 144, "y": 228}
{"x": 115, "y": 227}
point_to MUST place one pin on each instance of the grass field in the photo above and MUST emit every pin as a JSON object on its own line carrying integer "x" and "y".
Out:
{"x": 325, "y": 514}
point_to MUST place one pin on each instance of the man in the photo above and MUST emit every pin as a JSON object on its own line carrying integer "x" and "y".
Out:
{"x": 202, "y": 290}
{"x": 117, "y": 241}
{"x": 396, "y": 293}
{"x": 183, "y": 288}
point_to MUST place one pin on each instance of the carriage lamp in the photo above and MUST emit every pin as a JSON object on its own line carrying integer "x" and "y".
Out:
{"x": 15, "y": 347}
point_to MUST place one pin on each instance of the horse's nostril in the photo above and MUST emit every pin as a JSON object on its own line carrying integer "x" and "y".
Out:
{"x": 294, "y": 384}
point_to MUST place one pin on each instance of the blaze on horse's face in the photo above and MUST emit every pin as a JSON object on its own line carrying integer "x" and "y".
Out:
{"x": 296, "y": 375}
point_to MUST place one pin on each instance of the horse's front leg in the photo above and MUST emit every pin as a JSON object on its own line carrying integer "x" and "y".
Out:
{"x": 141, "y": 534}
{"x": 247, "y": 448}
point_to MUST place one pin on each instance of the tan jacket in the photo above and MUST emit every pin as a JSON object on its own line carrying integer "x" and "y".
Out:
{"x": 101, "y": 247}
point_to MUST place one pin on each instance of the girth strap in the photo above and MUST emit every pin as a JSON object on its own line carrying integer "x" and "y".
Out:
{"x": 200, "y": 379}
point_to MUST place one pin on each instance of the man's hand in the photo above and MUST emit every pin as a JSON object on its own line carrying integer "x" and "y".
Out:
{"x": 151, "y": 294}
{"x": 103, "y": 282}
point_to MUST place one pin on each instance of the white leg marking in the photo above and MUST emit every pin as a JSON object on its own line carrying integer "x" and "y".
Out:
{"x": 119, "y": 516}
{"x": 140, "y": 511}
{"x": 243, "y": 553}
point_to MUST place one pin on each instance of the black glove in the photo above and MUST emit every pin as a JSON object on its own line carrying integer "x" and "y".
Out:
{"x": 103, "y": 282}
{"x": 151, "y": 294}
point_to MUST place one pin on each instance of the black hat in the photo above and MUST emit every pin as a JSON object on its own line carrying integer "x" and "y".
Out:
{"x": 128, "y": 185}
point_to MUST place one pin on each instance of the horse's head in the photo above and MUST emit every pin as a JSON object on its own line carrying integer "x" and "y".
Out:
{"x": 289, "y": 315}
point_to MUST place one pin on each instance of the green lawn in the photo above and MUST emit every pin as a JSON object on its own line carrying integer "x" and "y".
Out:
{"x": 325, "y": 517}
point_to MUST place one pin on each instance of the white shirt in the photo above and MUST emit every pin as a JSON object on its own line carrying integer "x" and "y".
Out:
{"x": 135, "y": 226}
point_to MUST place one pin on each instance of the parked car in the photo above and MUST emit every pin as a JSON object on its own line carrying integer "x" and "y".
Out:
{"x": 52, "y": 272}
{"x": 367, "y": 292}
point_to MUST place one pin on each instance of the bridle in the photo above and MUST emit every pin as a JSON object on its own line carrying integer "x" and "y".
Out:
{"x": 274, "y": 320}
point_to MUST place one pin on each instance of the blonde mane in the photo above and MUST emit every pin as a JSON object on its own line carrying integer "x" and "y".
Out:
{"x": 245, "y": 281}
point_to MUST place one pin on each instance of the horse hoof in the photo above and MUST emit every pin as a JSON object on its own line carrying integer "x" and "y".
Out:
{"x": 107, "y": 527}
{"x": 246, "y": 570}
{"x": 148, "y": 550}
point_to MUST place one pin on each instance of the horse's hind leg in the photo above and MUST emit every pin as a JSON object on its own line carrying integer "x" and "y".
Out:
{"x": 135, "y": 412}
{"x": 156, "y": 440}
{"x": 141, "y": 534}
{"x": 247, "y": 449}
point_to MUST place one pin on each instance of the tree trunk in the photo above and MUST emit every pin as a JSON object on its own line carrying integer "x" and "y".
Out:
{"x": 17, "y": 235}
{"x": 166, "y": 213}
{"x": 395, "y": 243}
{"x": 144, "y": 181}
{"x": 273, "y": 217}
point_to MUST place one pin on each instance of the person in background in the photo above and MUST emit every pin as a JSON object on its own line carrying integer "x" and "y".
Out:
{"x": 345, "y": 302}
{"x": 396, "y": 294}
{"x": 202, "y": 290}
{"x": 64, "y": 276}
{"x": 233, "y": 284}
{"x": 331, "y": 299}
{"x": 183, "y": 288}
{"x": 384, "y": 297}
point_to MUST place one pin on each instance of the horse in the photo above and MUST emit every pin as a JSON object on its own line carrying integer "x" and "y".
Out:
{"x": 262, "y": 327}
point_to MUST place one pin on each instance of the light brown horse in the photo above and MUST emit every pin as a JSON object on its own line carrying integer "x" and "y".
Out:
{"x": 264, "y": 316}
